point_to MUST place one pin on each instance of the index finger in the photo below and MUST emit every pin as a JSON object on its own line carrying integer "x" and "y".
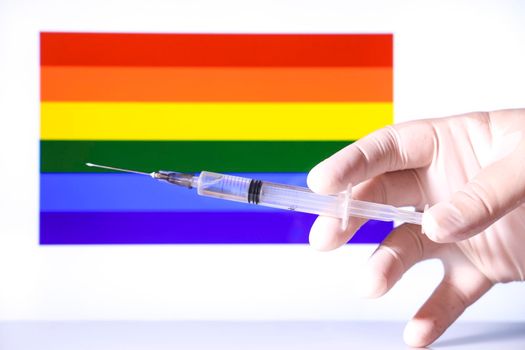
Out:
{"x": 396, "y": 147}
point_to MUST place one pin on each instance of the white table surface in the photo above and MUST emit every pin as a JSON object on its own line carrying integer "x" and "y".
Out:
{"x": 246, "y": 335}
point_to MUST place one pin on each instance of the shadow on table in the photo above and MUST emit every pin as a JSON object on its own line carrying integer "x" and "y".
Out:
{"x": 499, "y": 333}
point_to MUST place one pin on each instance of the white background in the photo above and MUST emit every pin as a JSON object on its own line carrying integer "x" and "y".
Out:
{"x": 450, "y": 57}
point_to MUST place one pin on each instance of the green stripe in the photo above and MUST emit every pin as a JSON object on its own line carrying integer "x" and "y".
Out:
{"x": 187, "y": 156}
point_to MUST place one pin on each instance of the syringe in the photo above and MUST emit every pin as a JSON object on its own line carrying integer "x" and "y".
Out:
{"x": 282, "y": 196}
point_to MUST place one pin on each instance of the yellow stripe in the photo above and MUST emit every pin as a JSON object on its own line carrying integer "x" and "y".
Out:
{"x": 212, "y": 121}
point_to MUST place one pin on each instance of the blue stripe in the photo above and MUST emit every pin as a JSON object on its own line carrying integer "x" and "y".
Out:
{"x": 79, "y": 192}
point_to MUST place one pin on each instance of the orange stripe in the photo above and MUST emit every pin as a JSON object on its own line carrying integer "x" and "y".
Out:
{"x": 172, "y": 84}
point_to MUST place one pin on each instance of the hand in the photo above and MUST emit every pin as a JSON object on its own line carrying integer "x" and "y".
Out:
{"x": 470, "y": 169}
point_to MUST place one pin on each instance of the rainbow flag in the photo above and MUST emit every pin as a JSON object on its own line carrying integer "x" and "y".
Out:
{"x": 266, "y": 106}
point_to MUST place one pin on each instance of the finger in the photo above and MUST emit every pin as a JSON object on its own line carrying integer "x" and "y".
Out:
{"x": 398, "y": 188}
{"x": 326, "y": 233}
{"x": 461, "y": 286}
{"x": 404, "y": 247}
{"x": 495, "y": 191}
{"x": 402, "y": 146}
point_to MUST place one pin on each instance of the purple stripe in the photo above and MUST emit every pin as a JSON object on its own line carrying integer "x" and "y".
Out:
{"x": 187, "y": 228}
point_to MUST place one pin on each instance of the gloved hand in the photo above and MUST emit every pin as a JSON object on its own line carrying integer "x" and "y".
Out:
{"x": 470, "y": 169}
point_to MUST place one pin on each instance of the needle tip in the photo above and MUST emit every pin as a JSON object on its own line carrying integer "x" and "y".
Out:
{"x": 115, "y": 169}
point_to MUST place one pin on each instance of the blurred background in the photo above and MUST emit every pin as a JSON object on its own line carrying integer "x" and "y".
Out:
{"x": 448, "y": 58}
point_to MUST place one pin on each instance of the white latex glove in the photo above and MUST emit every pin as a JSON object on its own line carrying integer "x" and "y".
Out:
{"x": 470, "y": 169}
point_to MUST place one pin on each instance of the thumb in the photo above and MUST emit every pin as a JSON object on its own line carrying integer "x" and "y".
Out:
{"x": 495, "y": 191}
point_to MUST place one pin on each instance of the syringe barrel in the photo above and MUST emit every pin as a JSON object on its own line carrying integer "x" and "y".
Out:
{"x": 297, "y": 198}
{"x": 268, "y": 194}
{"x": 233, "y": 188}
{"x": 300, "y": 199}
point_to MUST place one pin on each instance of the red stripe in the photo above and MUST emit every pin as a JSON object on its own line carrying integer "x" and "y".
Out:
{"x": 219, "y": 50}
